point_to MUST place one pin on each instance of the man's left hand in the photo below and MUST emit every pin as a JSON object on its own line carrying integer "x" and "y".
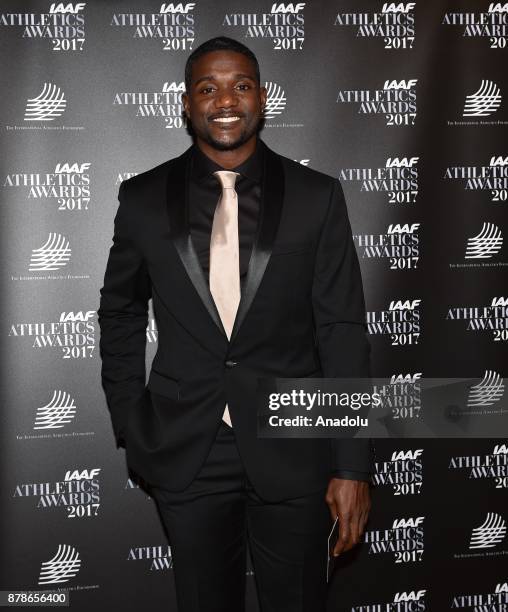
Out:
{"x": 349, "y": 500}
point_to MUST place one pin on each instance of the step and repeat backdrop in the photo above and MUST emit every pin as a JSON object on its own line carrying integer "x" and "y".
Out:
{"x": 407, "y": 104}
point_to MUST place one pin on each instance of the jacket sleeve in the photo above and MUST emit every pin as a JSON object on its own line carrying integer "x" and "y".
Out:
{"x": 340, "y": 326}
{"x": 123, "y": 319}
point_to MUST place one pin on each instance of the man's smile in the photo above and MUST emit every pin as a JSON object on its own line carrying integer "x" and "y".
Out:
{"x": 227, "y": 119}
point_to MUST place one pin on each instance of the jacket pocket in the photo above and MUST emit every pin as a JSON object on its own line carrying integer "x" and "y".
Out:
{"x": 163, "y": 385}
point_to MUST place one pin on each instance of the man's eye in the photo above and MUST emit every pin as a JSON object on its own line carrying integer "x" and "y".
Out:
{"x": 244, "y": 86}
{"x": 207, "y": 90}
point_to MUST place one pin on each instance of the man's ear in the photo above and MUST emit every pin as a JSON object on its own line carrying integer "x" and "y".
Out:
{"x": 185, "y": 102}
{"x": 263, "y": 96}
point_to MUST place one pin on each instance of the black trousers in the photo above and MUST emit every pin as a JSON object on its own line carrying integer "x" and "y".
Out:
{"x": 208, "y": 525}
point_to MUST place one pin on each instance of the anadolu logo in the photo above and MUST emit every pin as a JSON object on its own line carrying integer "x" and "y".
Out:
{"x": 47, "y": 106}
{"x": 485, "y": 101}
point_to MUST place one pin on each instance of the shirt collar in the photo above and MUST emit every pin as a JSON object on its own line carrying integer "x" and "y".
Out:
{"x": 252, "y": 167}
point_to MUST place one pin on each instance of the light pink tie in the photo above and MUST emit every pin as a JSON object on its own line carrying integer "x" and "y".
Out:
{"x": 225, "y": 257}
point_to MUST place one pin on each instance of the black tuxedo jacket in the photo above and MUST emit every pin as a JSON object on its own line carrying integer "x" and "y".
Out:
{"x": 301, "y": 314}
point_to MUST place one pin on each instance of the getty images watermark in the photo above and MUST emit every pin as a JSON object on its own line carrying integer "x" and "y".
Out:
{"x": 396, "y": 407}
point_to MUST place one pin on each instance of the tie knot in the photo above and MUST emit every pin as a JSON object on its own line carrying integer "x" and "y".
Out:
{"x": 226, "y": 178}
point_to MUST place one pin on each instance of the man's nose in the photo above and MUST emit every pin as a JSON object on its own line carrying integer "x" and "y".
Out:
{"x": 226, "y": 98}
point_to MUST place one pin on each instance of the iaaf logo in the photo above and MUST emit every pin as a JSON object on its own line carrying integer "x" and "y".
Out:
{"x": 485, "y": 244}
{"x": 490, "y": 533}
{"x": 492, "y": 177}
{"x": 404, "y": 379}
{"x": 396, "y": 101}
{"x": 47, "y": 106}
{"x": 165, "y": 104}
{"x": 398, "y": 178}
{"x": 401, "y": 322}
{"x": 399, "y": 244}
{"x": 493, "y": 318}
{"x": 485, "y": 101}
{"x": 177, "y": 8}
{"x": 491, "y": 24}
{"x": 73, "y": 334}
{"x": 284, "y": 25}
{"x": 395, "y": 24}
{"x": 404, "y": 539}
{"x": 493, "y": 465}
{"x": 80, "y": 315}
{"x": 403, "y": 602}
{"x": 61, "y": 7}
{"x": 63, "y": 25}
{"x": 82, "y": 475}
{"x": 493, "y": 602}
{"x": 403, "y": 471}
{"x": 174, "y": 25}
{"x": 63, "y": 566}
{"x": 69, "y": 183}
{"x": 404, "y": 304}
{"x": 58, "y": 412}
{"x": 488, "y": 391}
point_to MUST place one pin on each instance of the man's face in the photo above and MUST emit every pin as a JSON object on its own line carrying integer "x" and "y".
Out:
{"x": 224, "y": 103}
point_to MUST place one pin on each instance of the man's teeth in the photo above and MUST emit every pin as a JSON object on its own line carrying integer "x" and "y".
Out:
{"x": 226, "y": 119}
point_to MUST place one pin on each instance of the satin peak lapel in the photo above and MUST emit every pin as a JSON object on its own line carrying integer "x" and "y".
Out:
{"x": 272, "y": 196}
{"x": 178, "y": 211}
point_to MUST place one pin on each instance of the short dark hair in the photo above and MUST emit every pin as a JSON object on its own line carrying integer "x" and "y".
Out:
{"x": 219, "y": 43}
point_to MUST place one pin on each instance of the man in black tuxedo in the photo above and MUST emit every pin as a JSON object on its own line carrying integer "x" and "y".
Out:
{"x": 191, "y": 432}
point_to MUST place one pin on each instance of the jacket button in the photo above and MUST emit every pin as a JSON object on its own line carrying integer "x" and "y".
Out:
{"x": 230, "y": 364}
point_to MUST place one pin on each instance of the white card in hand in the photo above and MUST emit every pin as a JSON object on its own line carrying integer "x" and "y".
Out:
{"x": 332, "y": 540}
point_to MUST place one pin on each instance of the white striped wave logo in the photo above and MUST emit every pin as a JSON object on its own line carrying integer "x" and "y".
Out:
{"x": 483, "y": 102}
{"x": 52, "y": 255}
{"x": 488, "y": 391}
{"x": 489, "y": 533}
{"x": 485, "y": 244}
{"x": 275, "y": 100}
{"x": 48, "y": 105}
{"x": 59, "y": 411}
{"x": 63, "y": 566}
